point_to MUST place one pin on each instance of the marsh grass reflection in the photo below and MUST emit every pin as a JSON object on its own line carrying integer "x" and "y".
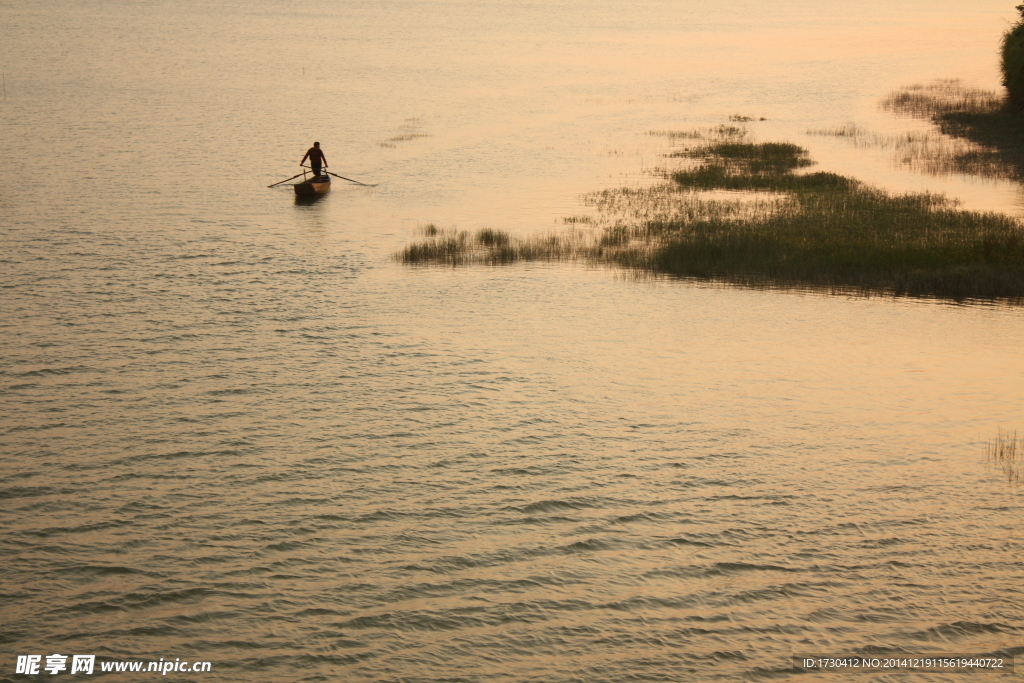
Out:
{"x": 1006, "y": 452}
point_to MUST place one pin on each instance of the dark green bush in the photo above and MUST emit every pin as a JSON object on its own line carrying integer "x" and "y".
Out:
{"x": 1013, "y": 63}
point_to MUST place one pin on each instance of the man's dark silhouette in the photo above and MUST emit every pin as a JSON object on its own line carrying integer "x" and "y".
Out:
{"x": 316, "y": 158}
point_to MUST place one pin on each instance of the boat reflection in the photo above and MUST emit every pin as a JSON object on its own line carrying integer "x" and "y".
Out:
{"x": 307, "y": 200}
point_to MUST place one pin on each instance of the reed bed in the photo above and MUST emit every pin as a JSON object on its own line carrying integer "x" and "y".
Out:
{"x": 944, "y": 96}
{"x": 984, "y": 135}
{"x": 410, "y": 130}
{"x": 452, "y": 247}
{"x": 750, "y": 214}
{"x": 719, "y": 134}
{"x": 1006, "y": 452}
{"x": 928, "y": 152}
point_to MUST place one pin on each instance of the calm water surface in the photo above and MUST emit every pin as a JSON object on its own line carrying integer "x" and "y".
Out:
{"x": 235, "y": 430}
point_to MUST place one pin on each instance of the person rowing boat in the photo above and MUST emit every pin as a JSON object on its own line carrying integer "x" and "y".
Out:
{"x": 316, "y": 158}
{"x": 321, "y": 181}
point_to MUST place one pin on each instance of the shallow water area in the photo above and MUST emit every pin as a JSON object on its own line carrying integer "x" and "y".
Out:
{"x": 237, "y": 431}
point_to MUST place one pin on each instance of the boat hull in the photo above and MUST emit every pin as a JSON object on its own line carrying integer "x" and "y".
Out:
{"x": 313, "y": 187}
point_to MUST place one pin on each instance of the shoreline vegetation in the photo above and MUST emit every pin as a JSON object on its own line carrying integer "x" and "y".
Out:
{"x": 980, "y": 133}
{"x": 749, "y": 214}
{"x": 974, "y": 132}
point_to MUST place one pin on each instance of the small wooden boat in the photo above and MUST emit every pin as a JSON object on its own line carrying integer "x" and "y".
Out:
{"x": 316, "y": 185}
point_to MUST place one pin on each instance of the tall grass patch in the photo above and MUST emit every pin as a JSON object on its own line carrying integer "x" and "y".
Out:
{"x": 832, "y": 231}
{"x": 983, "y": 131}
{"x": 753, "y": 214}
{"x": 452, "y": 247}
{"x": 930, "y": 152}
{"x": 1006, "y": 452}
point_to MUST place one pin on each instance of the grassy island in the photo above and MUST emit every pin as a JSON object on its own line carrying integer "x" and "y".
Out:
{"x": 750, "y": 214}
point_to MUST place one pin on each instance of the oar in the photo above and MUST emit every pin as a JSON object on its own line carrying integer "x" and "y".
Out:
{"x": 287, "y": 179}
{"x": 348, "y": 179}
{"x": 351, "y": 181}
